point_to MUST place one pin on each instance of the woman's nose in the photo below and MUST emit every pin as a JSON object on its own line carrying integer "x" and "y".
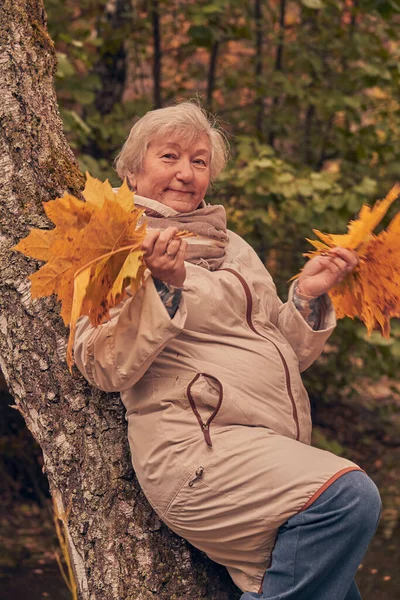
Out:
{"x": 184, "y": 171}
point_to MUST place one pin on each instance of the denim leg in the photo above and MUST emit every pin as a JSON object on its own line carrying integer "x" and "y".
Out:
{"x": 318, "y": 550}
{"x": 353, "y": 593}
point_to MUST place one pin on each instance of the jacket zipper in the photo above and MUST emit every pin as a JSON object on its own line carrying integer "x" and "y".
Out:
{"x": 250, "y": 323}
{"x": 198, "y": 475}
{"x": 205, "y": 426}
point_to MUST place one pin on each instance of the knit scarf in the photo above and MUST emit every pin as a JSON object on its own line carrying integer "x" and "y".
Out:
{"x": 208, "y": 222}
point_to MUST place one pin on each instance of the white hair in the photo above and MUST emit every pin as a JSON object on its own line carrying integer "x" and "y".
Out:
{"x": 187, "y": 120}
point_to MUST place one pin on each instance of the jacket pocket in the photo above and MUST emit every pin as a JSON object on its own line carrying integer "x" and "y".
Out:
{"x": 205, "y": 395}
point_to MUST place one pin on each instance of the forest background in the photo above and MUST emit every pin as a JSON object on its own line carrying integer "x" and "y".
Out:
{"x": 308, "y": 92}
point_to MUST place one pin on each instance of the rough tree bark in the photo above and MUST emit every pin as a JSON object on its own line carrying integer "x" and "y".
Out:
{"x": 118, "y": 546}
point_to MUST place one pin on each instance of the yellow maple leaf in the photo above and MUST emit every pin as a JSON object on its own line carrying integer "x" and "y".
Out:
{"x": 91, "y": 256}
{"x": 380, "y": 279}
{"x": 38, "y": 243}
{"x": 97, "y": 191}
{"x": 129, "y": 274}
{"x": 372, "y": 291}
{"x": 67, "y": 212}
{"x": 81, "y": 282}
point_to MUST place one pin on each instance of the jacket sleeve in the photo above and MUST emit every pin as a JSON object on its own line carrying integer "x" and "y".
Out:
{"x": 305, "y": 341}
{"x": 115, "y": 355}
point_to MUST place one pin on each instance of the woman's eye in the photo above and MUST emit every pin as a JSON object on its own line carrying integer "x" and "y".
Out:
{"x": 169, "y": 155}
{"x": 201, "y": 162}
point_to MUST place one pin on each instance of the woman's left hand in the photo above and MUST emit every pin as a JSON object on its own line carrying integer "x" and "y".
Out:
{"x": 321, "y": 273}
{"x": 164, "y": 256}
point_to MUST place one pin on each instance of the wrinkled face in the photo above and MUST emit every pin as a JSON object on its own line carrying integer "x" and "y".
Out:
{"x": 175, "y": 174}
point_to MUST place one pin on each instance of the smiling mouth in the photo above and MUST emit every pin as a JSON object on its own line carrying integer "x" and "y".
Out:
{"x": 180, "y": 191}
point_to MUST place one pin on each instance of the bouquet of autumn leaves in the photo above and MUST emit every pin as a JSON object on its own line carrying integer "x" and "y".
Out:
{"x": 94, "y": 254}
{"x": 372, "y": 291}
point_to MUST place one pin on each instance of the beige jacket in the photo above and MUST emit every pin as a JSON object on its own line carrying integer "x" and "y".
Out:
{"x": 219, "y": 420}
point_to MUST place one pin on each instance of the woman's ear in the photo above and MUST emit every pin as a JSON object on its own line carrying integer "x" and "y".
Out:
{"x": 131, "y": 181}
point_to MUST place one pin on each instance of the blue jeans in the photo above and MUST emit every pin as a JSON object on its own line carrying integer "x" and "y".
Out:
{"x": 318, "y": 551}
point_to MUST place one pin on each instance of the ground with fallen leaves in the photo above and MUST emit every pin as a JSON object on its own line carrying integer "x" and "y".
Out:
{"x": 27, "y": 546}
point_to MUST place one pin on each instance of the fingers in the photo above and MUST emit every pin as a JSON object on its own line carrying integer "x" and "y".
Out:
{"x": 326, "y": 270}
{"x": 165, "y": 256}
{"x": 342, "y": 260}
{"x": 334, "y": 264}
{"x": 165, "y": 241}
{"x": 180, "y": 257}
{"x": 149, "y": 241}
{"x": 172, "y": 248}
{"x": 339, "y": 262}
{"x": 155, "y": 243}
{"x": 349, "y": 256}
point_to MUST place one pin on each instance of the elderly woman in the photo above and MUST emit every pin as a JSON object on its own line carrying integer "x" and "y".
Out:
{"x": 208, "y": 360}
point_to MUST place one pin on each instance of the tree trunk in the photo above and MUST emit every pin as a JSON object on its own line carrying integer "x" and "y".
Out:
{"x": 278, "y": 67}
{"x": 114, "y": 27}
{"x": 212, "y": 68}
{"x": 118, "y": 546}
{"x": 258, "y": 18}
{"x": 308, "y": 127}
{"x": 155, "y": 17}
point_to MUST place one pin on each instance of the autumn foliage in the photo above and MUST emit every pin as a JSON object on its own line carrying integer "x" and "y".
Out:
{"x": 92, "y": 255}
{"x": 372, "y": 291}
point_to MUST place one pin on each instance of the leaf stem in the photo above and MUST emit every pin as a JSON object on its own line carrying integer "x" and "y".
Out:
{"x": 179, "y": 235}
{"x": 95, "y": 260}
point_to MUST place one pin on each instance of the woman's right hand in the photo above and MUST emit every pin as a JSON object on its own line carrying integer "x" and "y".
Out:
{"x": 164, "y": 256}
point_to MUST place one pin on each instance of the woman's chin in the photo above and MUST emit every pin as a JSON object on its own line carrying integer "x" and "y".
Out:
{"x": 181, "y": 203}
